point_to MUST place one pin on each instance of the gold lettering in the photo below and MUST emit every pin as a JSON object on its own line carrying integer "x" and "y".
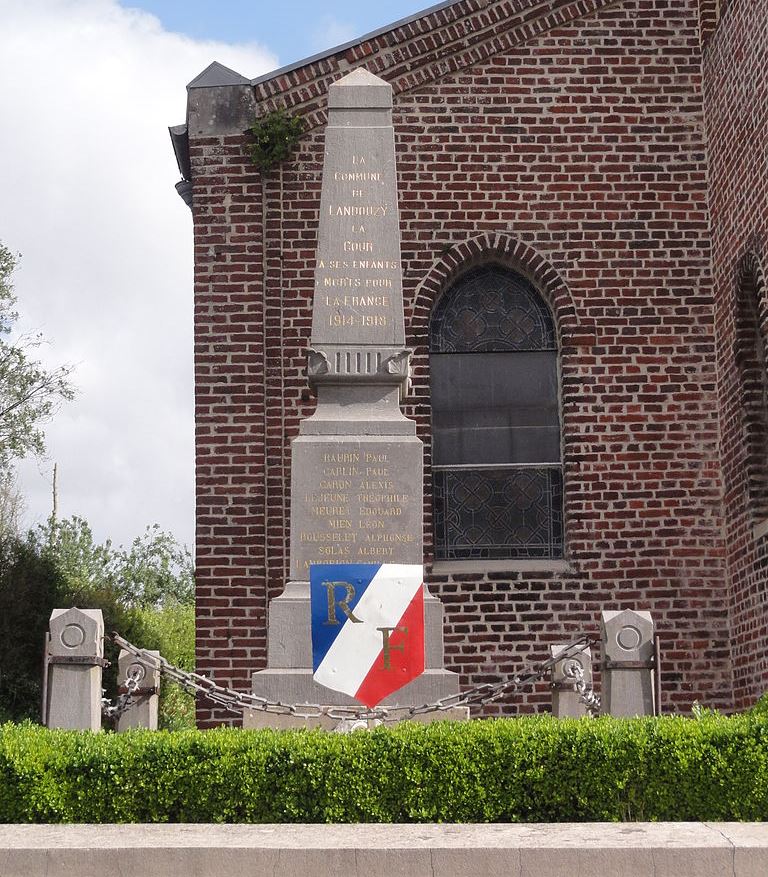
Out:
{"x": 336, "y": 471}
{"x": 327, "y": 537}
{"x": 388, "y": 512}
{"x": 327, "y": 511}
{"x": 340, "y": 524}
{"x": 392, "y": 538}
{"x": 343, "y": 282}
{"x": 326, "y": 497}
{"x": 371, "y": 525}
{"x": 343, "y": 604}
{"x": 387, "y": 647}
{"x": 333, "y": 551}
{"x": 341, "y": 320}
{"x": 383, "y": 497}
{"x": 358, "y": 247}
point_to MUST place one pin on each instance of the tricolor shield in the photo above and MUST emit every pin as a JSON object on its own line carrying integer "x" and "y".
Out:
{"x": 367, "y": 627}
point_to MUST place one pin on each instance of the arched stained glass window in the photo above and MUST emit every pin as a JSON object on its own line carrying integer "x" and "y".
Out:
{"x": 497, "y": 473}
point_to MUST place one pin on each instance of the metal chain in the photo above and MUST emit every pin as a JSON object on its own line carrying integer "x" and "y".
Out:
{"x": 587, "y": 695}
{"x": 237, "y": 701}
{"x": 123, "y": 703}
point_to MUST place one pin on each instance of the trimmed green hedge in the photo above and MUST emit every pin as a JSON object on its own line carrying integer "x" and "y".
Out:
{"x": 534, "y": 769}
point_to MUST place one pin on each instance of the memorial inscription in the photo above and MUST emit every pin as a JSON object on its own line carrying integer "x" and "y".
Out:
{"x": 356, "y": 505}
{"x": 358, "y": 281}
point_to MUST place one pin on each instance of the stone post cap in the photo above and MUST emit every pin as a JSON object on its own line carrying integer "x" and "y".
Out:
{"x": 77, "y": 633}
{"x": 360, "y": 89}
{"x": 583, "y": 659}
{"x": 128, "y": 664}
{"x": 627, "y": 635}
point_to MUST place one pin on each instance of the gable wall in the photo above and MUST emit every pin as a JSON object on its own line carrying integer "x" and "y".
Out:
{"x": 736, "y": 89}
{"x": 579, "y": 157}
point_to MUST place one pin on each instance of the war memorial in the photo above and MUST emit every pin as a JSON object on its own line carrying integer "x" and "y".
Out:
{"x": 481, "y": 415}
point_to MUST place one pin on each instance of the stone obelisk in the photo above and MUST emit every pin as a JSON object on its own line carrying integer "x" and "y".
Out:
{"x": 356, "y": 483}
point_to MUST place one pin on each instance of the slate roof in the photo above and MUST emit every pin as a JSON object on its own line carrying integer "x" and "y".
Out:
{"x": 352, "y": 43}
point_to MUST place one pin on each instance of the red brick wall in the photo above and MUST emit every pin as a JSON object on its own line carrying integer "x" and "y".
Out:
{"x": 570, "y": 145}
{"x": 736, "y": 89}
{"x": 709, "y": 15}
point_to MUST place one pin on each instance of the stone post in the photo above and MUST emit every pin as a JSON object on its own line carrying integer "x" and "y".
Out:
{"x": 628, "y": 664}
{"x": 75, "y": 663}
{"x": 565, "y": 701}
{"x": 143, "y": 712}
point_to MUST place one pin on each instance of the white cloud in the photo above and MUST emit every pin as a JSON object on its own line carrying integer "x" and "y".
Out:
{"x": 87, "y": 196}
{"x": 331, "y": 33}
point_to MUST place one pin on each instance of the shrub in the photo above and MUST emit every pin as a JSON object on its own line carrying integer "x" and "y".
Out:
{"x": 171, "y": 630}
{"x": 274, "y": 137}
{"x": 29, "y": 588}
{"x": 535, "y": 769}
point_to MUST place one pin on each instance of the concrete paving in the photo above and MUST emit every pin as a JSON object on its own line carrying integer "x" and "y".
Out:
{"x": 570, "y": 850}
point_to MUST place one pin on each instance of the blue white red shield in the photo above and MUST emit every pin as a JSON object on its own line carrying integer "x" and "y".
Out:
{"x": 367, "y": 627}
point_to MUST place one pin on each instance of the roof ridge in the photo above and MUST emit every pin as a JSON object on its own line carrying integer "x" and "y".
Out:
{"x": 326, "y": 53}
{"x": 431, "y": 56}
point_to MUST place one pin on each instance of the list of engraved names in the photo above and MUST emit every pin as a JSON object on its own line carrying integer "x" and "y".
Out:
{"x": 357, "y": 511}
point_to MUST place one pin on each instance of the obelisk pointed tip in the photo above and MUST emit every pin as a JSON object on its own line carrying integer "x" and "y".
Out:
{"x": 360, "y": 88}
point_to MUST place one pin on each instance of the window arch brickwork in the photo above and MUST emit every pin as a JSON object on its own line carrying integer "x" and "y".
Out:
{"x": 574, "y": 333}
{"x": 750, "y": 355}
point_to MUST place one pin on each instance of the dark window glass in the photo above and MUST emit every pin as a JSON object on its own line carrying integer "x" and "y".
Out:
{"x": 495, "y": 408}
{"x": 488, "y": 514}
{"x": 495, "y": 421}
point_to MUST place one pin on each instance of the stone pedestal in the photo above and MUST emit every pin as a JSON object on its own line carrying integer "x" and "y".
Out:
{"x": 74, "y": 668}
{"x": 628, "y": 652}
{"x": 566, "y": 701}
{"x": 143, "y": 712}
{"x": 357, "y": 480}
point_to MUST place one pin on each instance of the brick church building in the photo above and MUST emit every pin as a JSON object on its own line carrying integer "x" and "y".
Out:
{"x": 583, "y": 191}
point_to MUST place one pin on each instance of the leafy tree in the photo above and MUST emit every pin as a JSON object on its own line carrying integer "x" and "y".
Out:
{"x": 11, "y": 504}
{"x": 155, "y": 571}
{"x": 29, "y": 393}
{"x": 145, "y": 592}
{"x": 30, "y": 587}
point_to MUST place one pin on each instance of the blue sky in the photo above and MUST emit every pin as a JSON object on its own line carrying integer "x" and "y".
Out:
{"x": 293, "y": 29}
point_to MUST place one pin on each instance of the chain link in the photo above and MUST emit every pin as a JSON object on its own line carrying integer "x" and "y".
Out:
{"x": 123, "y": 703}
{"x": 348, "y": 716}
{"x": 587, "y": 695}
